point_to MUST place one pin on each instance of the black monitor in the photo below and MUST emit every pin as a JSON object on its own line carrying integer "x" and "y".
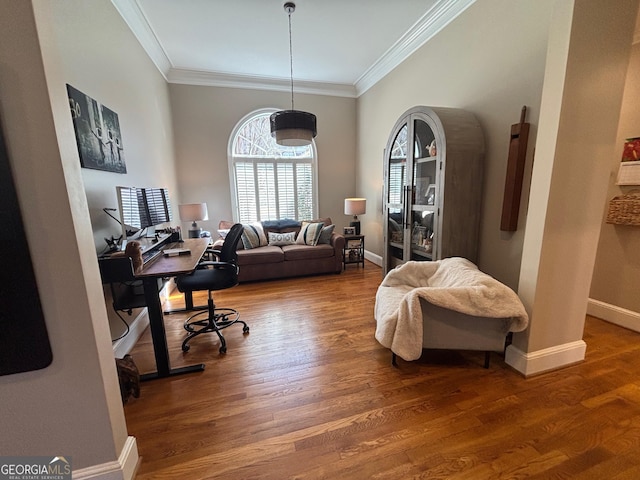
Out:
{"x": 142, "y": 208}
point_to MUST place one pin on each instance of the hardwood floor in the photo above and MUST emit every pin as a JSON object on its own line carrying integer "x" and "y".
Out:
{"x": 310, "y": 394}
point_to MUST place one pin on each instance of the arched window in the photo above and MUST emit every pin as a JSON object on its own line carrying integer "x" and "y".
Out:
{"x": 397, "y": 165}
{"x": 269, "y": 181}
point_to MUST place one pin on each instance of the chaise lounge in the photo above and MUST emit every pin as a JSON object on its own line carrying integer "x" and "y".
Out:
{"x": 446, "y": 304}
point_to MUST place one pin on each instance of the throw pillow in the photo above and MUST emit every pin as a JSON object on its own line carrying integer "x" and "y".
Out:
{"x": 253, "y": 236}
{"x": 325, "y": 235}
{"x": 309, "y": 233}
{"x": 277, "y": 238}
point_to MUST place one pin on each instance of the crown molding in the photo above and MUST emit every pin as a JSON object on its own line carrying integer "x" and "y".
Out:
{"x": 434, "y": 20}
{"x": 131, "y": 13}
{"x": 254, "y": 82}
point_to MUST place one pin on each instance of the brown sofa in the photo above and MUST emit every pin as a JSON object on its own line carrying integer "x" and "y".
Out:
{"x": 281, "y": 261}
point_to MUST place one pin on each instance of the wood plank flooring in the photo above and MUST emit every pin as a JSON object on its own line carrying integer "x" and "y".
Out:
{"x": 310, "y": 394}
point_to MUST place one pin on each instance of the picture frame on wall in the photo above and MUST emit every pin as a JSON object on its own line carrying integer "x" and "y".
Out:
{"x": 98, "y": 135}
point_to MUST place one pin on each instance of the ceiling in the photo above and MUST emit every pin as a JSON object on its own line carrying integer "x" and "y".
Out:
{"x": 339, "y": 47}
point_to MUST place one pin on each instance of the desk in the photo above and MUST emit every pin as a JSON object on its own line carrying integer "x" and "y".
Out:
{"x": 160, "y": 268}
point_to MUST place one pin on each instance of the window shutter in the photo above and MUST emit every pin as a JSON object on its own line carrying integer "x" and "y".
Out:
{"x": 270, "y": 182}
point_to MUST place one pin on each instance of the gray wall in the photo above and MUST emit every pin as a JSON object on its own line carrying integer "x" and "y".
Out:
{"x": 495, "y": 57}
{"x": 99, "y": 56}
{"x": 72, "y": 407}
{"x": 489, "y": 61}
{"x": 617, "y": 269}
{"x": 204, "y": 118}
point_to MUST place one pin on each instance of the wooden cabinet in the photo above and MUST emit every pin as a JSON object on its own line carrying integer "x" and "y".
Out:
{"x": 432, "y": 186}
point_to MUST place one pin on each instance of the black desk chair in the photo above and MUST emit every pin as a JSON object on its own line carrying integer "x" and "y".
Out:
{"x": 212, "y": 276}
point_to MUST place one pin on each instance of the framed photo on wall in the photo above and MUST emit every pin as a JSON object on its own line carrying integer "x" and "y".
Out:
{"x": 98, "y": 134}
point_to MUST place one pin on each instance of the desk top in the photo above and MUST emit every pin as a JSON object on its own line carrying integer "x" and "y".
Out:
{"x": 172, "y": 266}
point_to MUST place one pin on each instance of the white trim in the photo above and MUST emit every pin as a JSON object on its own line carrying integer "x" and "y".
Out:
{"x": 133, "y": 16}
{"x": 136, "y": 329}
{"x": 373, "y": 257}
{"x": 434, "y": 20}
{"x": 546, "y": 359}
{"x": 255, "y": 82}
{"x": 614, "y": 314}
{"x": 123, "y": 469}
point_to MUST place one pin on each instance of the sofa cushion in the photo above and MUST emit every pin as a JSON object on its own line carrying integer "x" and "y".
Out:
{"x": 309, "y": 233}
{"x": 307, "y": 252}
{"x": 278, "y": 239}
{"x": 254, "y": 256}
{"x": 325, "y": 235}
{"x": 253, "y": 236}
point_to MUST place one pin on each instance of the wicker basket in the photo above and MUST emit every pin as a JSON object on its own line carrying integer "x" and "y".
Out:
{"x": 624, "y": 209}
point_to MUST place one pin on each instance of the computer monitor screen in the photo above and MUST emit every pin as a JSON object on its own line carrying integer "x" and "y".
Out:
{"x": 141, "y": 208}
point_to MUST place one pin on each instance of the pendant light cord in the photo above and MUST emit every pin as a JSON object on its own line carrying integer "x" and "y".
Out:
{"x": 291, "y": 60}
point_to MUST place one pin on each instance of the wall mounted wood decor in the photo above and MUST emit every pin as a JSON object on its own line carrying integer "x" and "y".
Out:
{"x": 515, "y": 174}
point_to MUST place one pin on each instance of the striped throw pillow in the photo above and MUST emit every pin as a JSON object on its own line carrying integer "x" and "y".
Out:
{"x": 309, "y": 233}
{"x": 253, "y": 236}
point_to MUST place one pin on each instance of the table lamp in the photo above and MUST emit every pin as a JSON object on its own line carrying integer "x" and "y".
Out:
{"x": 193, "y": 212}
{"x": 355, "y": 207}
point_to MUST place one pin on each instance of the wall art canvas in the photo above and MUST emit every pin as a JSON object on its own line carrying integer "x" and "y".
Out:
{"x": 97, "y": 133}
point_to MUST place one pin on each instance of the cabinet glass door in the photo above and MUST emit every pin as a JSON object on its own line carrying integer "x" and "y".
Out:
{"x": 424, "y": 191}
{"x": 396, "y": 184}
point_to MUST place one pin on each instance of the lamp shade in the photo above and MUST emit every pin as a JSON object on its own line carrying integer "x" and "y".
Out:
{"x": 355, "y": 206}
{"x": 193, "y": 212}
{"x": 293, "y": 128}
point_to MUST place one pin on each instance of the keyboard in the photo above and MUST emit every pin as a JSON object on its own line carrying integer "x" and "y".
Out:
{"x": 150, "y": 255}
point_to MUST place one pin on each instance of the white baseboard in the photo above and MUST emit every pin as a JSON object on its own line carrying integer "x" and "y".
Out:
{"x": 136, "y": 328}
{"x": 373, "y": 258}
{"x": 613, "y": 314}
{"x": 123, "y": 469}
{"x": 547, "y": 359}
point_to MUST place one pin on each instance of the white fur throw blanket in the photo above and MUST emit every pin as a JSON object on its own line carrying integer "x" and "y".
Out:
{"x": 452, "y": 283}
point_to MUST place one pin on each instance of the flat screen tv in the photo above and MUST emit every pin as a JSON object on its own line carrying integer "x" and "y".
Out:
{"x": 142, "y": 208}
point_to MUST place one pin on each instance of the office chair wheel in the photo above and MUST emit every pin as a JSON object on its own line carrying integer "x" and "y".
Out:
{"x": 245, "y": 329}
{"x": 223, "y": 349}
{"x": 185, "y": 348}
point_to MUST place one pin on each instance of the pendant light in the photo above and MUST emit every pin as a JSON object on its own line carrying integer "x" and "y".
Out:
{"x": 292, "y": 128}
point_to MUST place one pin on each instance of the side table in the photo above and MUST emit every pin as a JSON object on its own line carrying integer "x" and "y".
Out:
{"x": 353, "y": 251}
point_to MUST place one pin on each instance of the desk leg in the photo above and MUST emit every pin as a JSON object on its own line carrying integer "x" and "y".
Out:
{"x": 159, "y": 336}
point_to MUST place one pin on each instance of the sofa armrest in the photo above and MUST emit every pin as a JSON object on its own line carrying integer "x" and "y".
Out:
{"x": 337, "y": 242}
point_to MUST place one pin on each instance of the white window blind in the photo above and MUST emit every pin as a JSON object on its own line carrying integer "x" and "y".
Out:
{"x": 269, "y": 181}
